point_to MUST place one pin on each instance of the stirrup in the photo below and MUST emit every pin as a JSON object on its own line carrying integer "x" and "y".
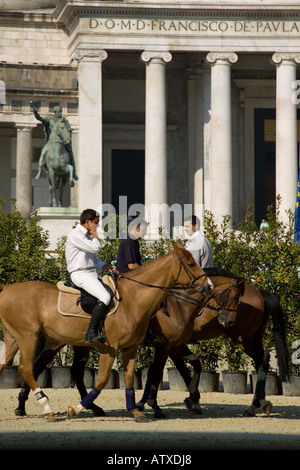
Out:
{"x": 92, "y": 337}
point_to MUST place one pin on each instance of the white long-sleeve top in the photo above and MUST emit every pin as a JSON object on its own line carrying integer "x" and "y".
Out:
{"x": 81, "y": 250}
{"x": 201, "y": 250}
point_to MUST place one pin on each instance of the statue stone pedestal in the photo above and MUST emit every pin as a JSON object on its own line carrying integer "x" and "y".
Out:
{"x": 58, "y": 221}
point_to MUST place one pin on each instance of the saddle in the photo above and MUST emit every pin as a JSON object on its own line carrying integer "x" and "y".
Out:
{"x": 76, "y": 302}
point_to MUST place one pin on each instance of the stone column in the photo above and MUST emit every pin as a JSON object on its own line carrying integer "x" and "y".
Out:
{"x": 286, "y": 131}
{"x": 221, "y": 134}
{"x": 156, "y": 139}
{"x": 89, "y": 167}
{"x": 23, "y": 169}
{"x": 199, "y": 166}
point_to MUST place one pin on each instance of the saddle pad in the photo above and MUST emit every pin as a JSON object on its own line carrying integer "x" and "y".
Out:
{"x": 67, "y": 305}
{"x": 68, "y": 296}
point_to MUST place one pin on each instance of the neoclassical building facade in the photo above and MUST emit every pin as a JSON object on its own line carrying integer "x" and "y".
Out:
{"x": 191, "y": 103}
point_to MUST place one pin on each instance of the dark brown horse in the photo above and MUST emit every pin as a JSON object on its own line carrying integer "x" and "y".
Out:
{"x": 178, "y": 328}
{"x": 255, "y": 308}
{"x": 29, "y": 309}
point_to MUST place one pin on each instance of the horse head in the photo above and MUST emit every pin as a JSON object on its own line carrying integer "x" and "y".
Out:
{"x": 190, "y": 272}
{"x": 228, "y": 300}
{"x": 61, "y": 131}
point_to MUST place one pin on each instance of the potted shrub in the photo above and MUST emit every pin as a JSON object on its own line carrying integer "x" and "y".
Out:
{"x": 210, "y": 353}
{"x": 235, "y": 376}
{"x": 61, "y": 368}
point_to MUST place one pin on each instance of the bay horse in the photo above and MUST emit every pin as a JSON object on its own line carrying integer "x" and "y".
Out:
{"x": 57, "y": 161}
{"x": 179, "y": 328}
{"x": 29, "y": 309}
{"x": 255, "y": 308}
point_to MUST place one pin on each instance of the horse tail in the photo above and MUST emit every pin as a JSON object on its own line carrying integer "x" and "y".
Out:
{"x": 279, "y": 333}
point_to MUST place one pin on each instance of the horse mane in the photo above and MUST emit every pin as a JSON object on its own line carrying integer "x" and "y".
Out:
{"x": 216, "y": 271}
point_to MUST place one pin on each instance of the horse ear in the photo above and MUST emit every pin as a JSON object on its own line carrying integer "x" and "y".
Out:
{"x": 177, "y": 247}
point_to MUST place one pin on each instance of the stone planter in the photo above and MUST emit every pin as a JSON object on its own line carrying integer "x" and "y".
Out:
{"x": 88, "y": 378}
{"x": 137, "y": 380}
{"x": 10, "y": 378}
{"x": 176, "y": 382}
{"x": 234, "y": 382}
{"x": 209, "y": 381}
{"x": 271, "y": 383}
{"x": 111, "y": 384}
{"x": 42, "y": 379}
{"x": 61, "y": 377}
{"x": 292, "y": 388}
{"x": 144, "y": 374}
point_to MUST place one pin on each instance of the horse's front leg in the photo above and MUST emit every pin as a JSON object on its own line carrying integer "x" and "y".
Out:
{"x": 81, "y": 355}
{"x": 128, "y": 358}
{"x": 192, "y": 383}
{"x": 105, "y": 364}
{"x": 154, "y": 377}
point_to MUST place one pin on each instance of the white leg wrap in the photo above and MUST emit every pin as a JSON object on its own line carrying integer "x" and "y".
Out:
{"x": 43, "y": 400}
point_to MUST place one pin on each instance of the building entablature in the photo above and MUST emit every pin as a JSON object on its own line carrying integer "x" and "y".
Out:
{"x": 184, "y": 27}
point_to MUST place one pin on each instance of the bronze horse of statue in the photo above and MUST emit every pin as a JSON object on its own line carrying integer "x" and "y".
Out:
{"x": 57, "y": 162}
{"x": 29, "y": 309}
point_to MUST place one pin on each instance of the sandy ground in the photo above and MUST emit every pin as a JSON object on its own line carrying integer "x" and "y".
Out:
{"x": 222, "y": 425}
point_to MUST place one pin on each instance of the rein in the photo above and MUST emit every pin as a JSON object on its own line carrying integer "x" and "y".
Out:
{"x": 180, "y": 295}
{"x": 169, "y": 289}
{"x": 191, "y": 300}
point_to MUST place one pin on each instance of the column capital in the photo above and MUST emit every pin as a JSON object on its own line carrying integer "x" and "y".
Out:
{"x": 222, "y": 57}
{"x": 25, "y": 126}
{"x": 148, "y": 56}
{"x": 286, "y": 57}
{"x": 90, "y": 55}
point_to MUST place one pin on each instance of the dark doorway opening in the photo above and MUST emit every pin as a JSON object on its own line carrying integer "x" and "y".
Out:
{"x": 128, "y": 177}
{"x": 265, "y": 192}
{"x": 265, "y": 161}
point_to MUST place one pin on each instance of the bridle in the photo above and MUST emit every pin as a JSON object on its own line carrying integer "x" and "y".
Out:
{"x": 234, "y": 283}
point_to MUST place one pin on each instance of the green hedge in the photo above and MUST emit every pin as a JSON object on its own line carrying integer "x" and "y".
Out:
{"x": 268, "y": 258}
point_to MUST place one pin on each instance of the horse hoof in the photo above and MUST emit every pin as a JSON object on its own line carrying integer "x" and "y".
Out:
{"x": 159, "y": 414}
{"x": 141, "y": 418}
{"x": 268, "y": 408}
{"x": 138, "y": 416}
{"x": 140, "y": 406}
{"x": 249, "y": 414}
{"x": 20, "y": 412}
{"x": 98, "y": 412}
{"x": 71, "y": 412}
{"x": 188, "y": 403}
{"x": 49, "y": 416}
{"x": 196, "y": 409}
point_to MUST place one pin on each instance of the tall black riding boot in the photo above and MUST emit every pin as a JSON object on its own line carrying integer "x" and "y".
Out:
{"x": 98, "y": 316}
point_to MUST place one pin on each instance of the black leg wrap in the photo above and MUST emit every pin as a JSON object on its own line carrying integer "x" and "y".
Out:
{"x": 40, "y": 395}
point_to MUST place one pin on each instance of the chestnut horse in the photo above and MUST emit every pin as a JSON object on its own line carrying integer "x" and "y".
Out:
{"x": 29, "y": 309}
{"x": 255, "y": 308}
{"x": 178, "y": 328}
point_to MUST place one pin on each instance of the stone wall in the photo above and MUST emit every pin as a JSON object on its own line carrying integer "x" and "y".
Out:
{"x": 32, "y": 38}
